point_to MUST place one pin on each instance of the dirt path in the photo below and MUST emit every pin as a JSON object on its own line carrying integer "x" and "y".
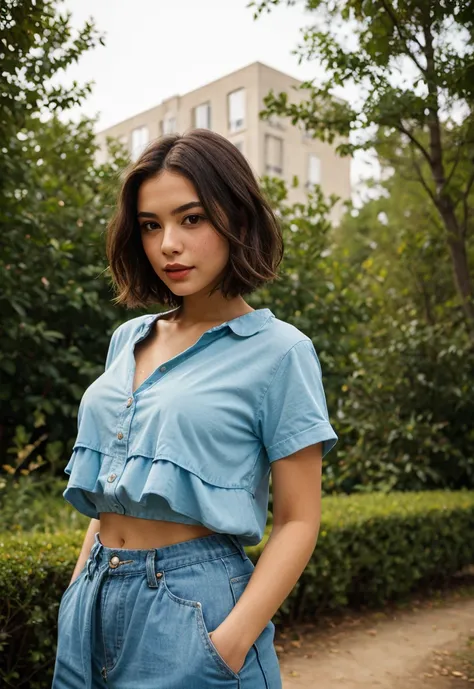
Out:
{"x": 398, "y": 650}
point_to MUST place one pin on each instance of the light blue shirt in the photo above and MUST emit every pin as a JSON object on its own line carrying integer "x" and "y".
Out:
{"x": 194, "y": 443}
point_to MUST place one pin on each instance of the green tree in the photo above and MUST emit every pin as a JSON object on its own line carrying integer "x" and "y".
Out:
{"x": 412, "y": 62}
{"x": 55, "y": 302}
{"x": 318, "y": 292}
{"x": 407, "y": 405}
{"x": 403, "y": 237}
{"x": 37, "y": 43}
{"x": 376, "y": 297}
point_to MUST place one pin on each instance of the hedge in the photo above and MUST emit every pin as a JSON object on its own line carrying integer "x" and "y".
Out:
{"x": 371, "y": 549}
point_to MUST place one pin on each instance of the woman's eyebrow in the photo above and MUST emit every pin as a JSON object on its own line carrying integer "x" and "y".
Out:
{"x": 180, "y": 209}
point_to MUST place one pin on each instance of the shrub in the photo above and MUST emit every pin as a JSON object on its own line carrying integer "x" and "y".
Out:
{"x": 371, "y": 549}
{"x": 378, "y": 547}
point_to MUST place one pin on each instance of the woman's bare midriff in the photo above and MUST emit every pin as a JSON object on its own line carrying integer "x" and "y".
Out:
{"x": 123, "y": 531}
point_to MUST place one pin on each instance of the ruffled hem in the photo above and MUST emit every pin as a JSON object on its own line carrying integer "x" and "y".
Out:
{"x": 158, "y": 489}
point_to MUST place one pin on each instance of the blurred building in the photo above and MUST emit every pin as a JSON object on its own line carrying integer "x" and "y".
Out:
{"x": 230, "y": 106}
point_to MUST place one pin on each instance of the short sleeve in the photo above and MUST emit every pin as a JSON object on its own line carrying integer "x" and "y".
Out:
{"x": 293, "y": 413}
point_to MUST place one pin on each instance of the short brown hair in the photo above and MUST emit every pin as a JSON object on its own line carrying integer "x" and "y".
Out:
{"x": 232, "y": 200}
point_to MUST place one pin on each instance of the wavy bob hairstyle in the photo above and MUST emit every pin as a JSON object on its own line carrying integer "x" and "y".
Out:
{"x": 232, "y": 200}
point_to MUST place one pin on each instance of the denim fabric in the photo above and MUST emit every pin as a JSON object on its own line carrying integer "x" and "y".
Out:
{"x": 194, "y": 443}
{"x": 140, "y": 619}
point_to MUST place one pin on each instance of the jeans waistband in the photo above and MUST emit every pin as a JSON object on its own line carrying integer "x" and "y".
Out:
{"x": 166, "y": 558}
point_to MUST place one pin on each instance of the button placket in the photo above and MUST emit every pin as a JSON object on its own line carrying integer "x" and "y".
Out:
{"x": 115, "y": 469}
{"x": 119, "y": 455}
{"x": 203, "y": 341}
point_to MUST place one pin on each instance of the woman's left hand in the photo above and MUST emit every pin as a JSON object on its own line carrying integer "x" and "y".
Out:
{"x": 235, "y": 658}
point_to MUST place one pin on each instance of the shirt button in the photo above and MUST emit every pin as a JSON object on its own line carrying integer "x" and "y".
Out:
{"x": 163, "y": 368}
{"x": 129, "y": 401}
{"x": 120, "y": 435}
{"x": 112, "y": 478}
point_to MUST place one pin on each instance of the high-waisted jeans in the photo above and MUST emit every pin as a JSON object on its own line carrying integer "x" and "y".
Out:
{"x": 140, "y": 619}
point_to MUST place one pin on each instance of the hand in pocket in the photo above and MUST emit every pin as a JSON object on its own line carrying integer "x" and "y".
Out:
{"x": 235, "y": 658}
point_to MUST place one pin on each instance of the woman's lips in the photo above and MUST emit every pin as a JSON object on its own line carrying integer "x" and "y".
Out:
{"x": 178, "y": 274}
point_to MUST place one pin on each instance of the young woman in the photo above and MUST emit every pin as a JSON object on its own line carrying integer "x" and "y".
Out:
{"x": 177, "y": 440}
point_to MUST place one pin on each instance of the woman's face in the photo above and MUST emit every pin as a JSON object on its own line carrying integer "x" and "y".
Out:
{"x": 173, "y": 234}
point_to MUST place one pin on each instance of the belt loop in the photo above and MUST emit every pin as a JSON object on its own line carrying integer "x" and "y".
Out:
{"x": 93, "y": 555}
{"x": 97, "y": 547}
{"x": 239, "y": 546}
{"x": 151, "y": 577}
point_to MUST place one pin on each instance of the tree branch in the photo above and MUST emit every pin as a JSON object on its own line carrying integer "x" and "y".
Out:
{"x": 466, "y": 208}
{"x": 393, "y": 17}
{"x": 459, "y": 152}
{"x": 415, "y": 141}
{"x": 423, "y": 181}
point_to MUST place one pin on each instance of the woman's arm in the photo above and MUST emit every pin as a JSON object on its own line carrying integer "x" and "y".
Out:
{"x": 86, "y": 547}
{"x": 296, "y": 487}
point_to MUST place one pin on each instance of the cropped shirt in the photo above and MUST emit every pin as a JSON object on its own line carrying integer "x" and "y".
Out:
{"x": 194, "y": 443}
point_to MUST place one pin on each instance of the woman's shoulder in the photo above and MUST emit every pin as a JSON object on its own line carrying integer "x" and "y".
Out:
{"x": 131, "y": 326}
{"x": 283, "y": 335}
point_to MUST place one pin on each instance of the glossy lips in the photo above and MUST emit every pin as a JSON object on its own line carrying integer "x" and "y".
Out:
{"x": 178, "y": 274}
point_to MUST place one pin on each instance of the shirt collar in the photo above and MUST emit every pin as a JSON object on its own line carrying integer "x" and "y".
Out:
{"x": 250, "y": 323}
{"x": 246, "y": 325}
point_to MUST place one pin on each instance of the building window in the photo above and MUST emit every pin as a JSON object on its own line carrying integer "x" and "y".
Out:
{"x": 202, "y": 116}
{"x": 139, "y": 141}
{"x": 314, "y": 170}
{"x": 273, "y": 155}
{"x": 236, "y": 109}
{"x": 168, "y": 125}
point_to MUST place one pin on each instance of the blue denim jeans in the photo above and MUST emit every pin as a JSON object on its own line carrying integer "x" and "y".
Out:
{"x": 140, "y": 619}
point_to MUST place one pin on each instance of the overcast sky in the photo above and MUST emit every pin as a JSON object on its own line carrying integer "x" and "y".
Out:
{"x": 155, "y": 49}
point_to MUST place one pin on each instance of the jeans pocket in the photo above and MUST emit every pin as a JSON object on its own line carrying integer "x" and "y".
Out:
{"x": 211, "y": 649}
{"x": 67, "y": 593}
{"x": 197, "y": 613}
{"x": 263, "y": 646}
{"x": 72, "y": 584}
{"x": 238, "y": 585}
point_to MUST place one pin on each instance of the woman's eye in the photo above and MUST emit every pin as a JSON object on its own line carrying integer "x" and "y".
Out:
{"x": 149, "y": 226}
{"x": 197, "y": 218}
{"x": 152, "y": 225}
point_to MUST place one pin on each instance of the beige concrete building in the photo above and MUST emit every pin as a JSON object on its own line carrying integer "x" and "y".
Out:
{"x": 230, "y": 106}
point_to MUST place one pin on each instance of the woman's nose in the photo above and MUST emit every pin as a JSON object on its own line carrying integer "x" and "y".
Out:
{"x": 171, "y": 239}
